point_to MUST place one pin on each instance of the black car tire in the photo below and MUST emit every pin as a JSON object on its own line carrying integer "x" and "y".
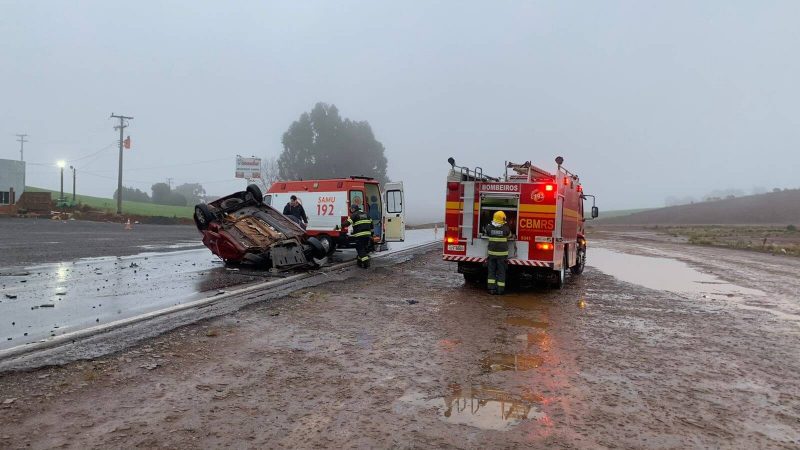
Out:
{"x": 255, "y": 191}
{"x": 328, "y": 243}
{"x": 202, "y": 216}
{"x": 318, "y": 250}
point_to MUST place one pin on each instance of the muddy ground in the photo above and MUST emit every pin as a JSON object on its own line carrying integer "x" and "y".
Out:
{"x": 411, "y": 357}
{"x": 37, "y": 241}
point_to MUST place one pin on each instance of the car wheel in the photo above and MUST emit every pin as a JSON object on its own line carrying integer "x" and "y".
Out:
{"x": 255, "y": 191}
{"x": 318, "y": 251}
{"x": 328, "y": 243}
{"x": 202, "y": 216}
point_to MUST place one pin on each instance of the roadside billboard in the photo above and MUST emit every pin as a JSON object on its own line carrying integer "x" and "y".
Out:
{"x": 248, "y": 167}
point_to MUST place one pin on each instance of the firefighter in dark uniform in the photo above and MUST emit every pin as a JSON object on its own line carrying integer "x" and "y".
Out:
{"x": 362, "y": 232}
{"x": 498, "y": 233}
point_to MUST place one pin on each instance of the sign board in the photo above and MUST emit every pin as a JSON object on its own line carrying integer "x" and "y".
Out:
{"x": 248, "y": 167}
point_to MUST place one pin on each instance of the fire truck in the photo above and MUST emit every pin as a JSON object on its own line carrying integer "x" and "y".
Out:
{"x": 544, "y": 211}
{"x": 327, "y": 205}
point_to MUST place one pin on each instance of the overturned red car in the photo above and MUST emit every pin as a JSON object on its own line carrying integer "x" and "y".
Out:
{"x": 240, "y": 228}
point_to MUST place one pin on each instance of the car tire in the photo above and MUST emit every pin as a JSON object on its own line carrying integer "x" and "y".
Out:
{"x": 255, "y": 191}
{"x": 318, "y": 250}
{"x": 202, "y": 216}
{"x": 327, "y": 243}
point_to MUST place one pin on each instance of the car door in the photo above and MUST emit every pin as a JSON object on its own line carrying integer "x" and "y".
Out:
{"x": 394, "y": 212}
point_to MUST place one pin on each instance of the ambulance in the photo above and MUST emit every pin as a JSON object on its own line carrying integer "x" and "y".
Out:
{"x": 327, "y": 205}
{"x": 543, "y": 209}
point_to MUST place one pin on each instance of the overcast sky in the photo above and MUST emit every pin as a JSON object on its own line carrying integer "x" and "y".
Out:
{"x": 643, "y": 99}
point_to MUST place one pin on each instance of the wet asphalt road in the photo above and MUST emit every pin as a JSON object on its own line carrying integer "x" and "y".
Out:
{"x": 409, "y": 356}
{"x": 37, "y": 241}
{"x": 38, "y": 302}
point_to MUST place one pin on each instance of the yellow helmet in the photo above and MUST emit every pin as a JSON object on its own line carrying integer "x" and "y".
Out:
{"x": 499, "y": 217}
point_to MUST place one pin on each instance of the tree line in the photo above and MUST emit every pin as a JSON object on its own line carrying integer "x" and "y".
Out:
{"x": 163, "y": 194}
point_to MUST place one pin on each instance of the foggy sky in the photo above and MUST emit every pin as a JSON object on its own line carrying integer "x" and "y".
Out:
{"x": 644, "y": 100}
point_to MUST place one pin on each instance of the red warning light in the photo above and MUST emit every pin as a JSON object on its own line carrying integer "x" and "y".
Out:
{"x": 544, "y": 246}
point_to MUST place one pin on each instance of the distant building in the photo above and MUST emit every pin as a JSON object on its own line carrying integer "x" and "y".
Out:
{"x": 12, "y": 182}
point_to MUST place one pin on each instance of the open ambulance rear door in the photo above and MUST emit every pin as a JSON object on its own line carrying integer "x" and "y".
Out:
{"x": 394, "y": 216}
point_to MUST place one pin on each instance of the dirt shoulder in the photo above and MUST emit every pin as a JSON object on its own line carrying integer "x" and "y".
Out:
{"x": 410, "y": 357}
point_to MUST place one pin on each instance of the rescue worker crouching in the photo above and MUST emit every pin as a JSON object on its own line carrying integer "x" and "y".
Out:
{"x": 498, "y": 233}
{"x": 362, "y": 232}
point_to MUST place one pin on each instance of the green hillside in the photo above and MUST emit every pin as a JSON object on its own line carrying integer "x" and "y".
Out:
{"x": 134, "y": 208}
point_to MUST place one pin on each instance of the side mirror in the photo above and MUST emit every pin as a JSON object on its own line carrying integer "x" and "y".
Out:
{"x": 595, "y": 212}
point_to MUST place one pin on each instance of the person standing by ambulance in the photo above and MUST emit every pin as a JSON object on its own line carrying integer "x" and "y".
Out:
{"x": 361, "y": 231}
{"x": 498, "y": 233}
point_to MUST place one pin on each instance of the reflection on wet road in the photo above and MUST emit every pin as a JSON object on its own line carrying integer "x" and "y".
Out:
{"x": 484, "y": 407}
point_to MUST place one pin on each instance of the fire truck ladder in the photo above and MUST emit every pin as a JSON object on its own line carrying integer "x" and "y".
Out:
{"x": 468, "y": 178}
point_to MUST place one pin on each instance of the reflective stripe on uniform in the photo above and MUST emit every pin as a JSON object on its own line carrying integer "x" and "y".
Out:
{"x": 491, "y": 281}
{"x": 363, "y": 233}
{"x": 498, "y": 239}
{"x": 501, "y": 284}
{"x": 363, "y": 222}
{"x": 491, "y": 253}
{"x": 364, "y": 258}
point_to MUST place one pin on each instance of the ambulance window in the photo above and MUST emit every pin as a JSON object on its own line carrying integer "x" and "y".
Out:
{"x": 373, "y": 201}
{"x": 357, "y": 199}
{"x": 394, "y": 202}
{"x": 490, "y": 205}
{"x": 268, "y": 200}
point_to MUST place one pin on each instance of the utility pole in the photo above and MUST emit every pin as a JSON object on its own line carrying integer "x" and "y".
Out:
{"x": 121, "y": 127}
{"x": 169, "y": 183}
{"x": 22, "y": 142}
{"x": 73, "y": 184}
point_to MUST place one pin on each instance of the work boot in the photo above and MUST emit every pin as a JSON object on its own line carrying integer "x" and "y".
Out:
{"x": 359, "y": 263}
{"x": 366, "y": 264}
{"x": 500, "y": 292}
{"x": 492, "y": 291}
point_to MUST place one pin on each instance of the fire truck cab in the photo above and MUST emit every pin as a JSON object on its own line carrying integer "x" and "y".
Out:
{"x": 327, "y": 205}
{"x": 544, "y": 211}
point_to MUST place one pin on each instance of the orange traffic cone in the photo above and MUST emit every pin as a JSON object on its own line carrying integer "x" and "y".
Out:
{"x": 128, "y": 225}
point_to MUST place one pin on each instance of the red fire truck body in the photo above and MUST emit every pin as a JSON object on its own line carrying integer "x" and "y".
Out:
{"x": 544, "y": 211}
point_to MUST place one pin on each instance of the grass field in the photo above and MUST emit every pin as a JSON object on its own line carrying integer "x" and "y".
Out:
{"x": 133, "y": 208}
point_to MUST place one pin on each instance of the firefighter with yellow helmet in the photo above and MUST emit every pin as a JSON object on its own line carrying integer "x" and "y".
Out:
{"x": 498, "y": 233}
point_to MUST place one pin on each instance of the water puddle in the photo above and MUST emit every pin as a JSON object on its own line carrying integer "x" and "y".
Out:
{"x": 662, "y": 274}
{"x": 483, "y": 407}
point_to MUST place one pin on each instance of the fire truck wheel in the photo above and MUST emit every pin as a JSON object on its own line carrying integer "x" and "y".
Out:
{"x": 327, "y": 243}
{"x": 474, "y": 278}
{"x": 255, "y": 191}
{"x": 561, "y": 275}
{"x": 580, "y": 262}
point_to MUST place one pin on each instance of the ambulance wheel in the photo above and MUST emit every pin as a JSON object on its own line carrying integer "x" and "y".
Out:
{"x": 561, "y": 275}
{"x": 580, "y": 262}
{"x": 255, "y": 191}
{"x": 327, "y": 243}
{"x": 202, "y": 216}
